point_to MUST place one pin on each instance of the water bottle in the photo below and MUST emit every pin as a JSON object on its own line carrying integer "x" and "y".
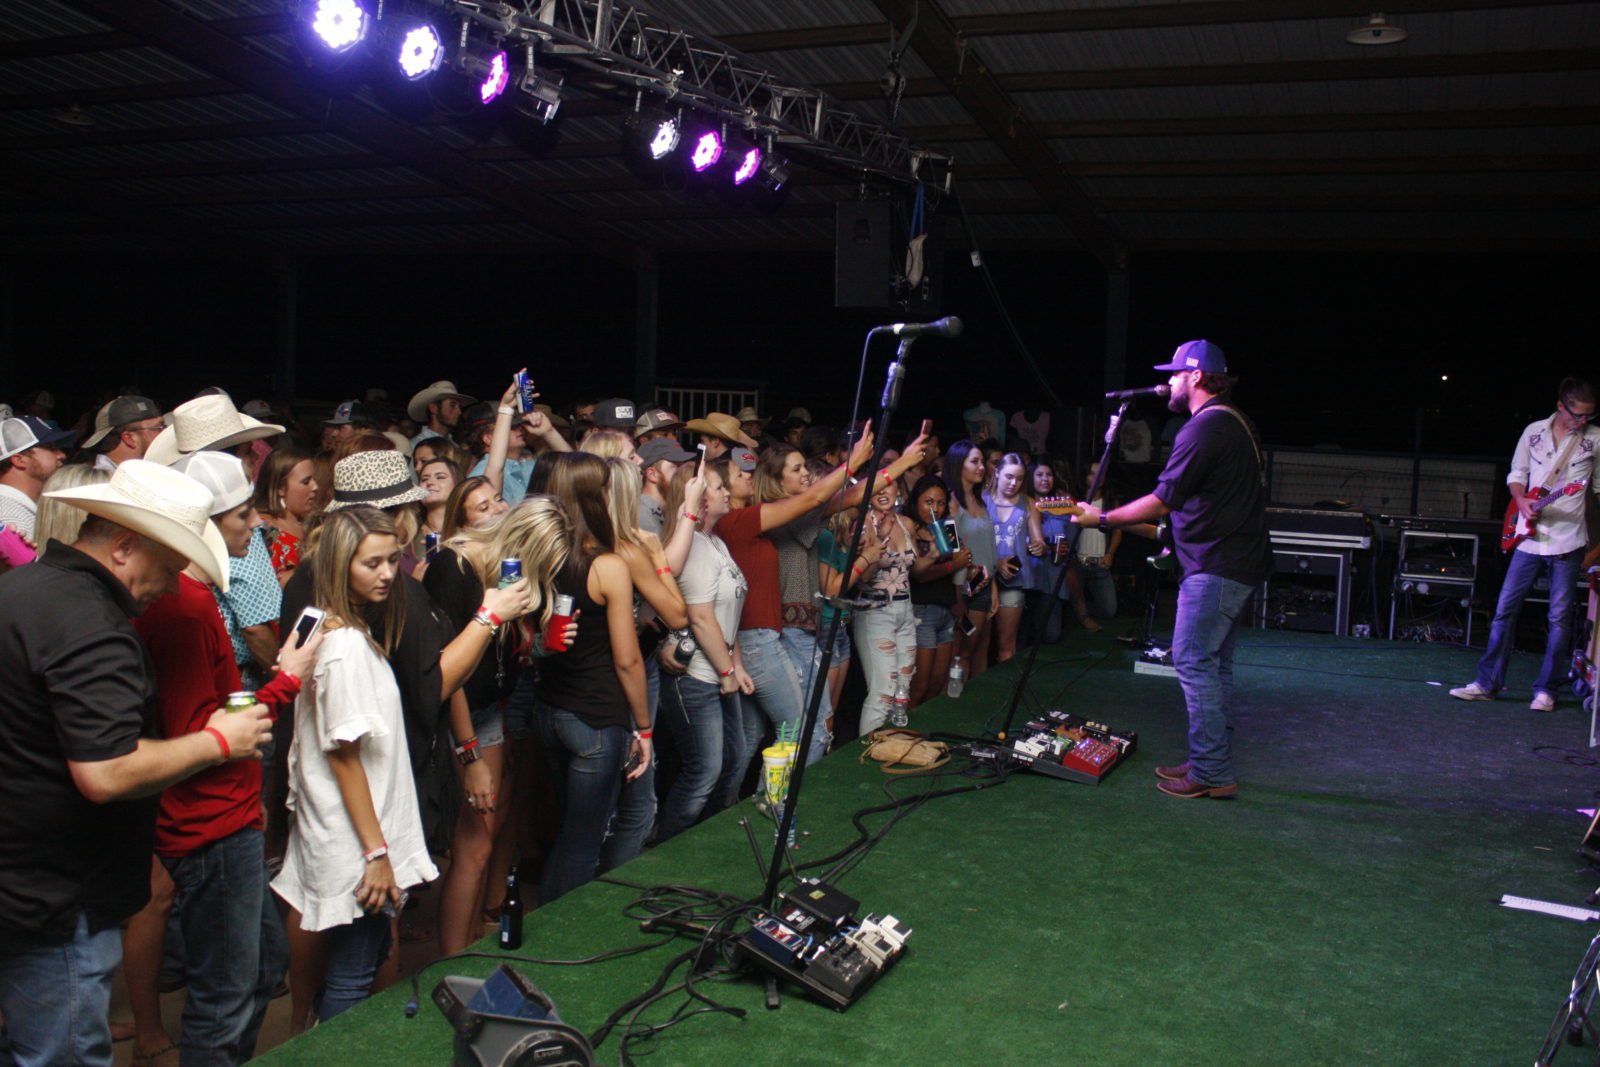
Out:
{"x": 511, "y": 914}
{"x": 958, "y": 678}
{"x": 901, "y": 705}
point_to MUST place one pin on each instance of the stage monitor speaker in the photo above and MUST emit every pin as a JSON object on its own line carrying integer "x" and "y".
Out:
{"x": 863, "y": 254}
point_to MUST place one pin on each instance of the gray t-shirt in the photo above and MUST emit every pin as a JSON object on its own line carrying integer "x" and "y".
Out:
{"x": 652, "y": 516}
{"x": 710, "y": 576}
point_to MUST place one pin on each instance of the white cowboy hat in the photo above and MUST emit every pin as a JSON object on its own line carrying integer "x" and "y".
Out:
{"x": 164, "y": 505}
{"x": 222, "y": 475}
{"x": 206, "y": 422}
{"x": 418, "y": 408}
{"x": 376, "y": 479}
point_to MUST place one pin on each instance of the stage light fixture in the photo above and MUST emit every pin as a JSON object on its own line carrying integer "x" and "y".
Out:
{"x": 538, "y": 91}
{"x": 339, "y": 25}
{"x": 749, "y": 158}
{"x": 421, "y": 51}
{"x": 493, "y": 82}
{"x": 706, "y": 150}
{"x": 774, "y": 171}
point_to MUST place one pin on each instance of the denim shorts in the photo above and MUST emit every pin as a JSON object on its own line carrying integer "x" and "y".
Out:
{"x": 1011, "y": 598}
{"x": 935, "y": 625}
{"x": 489, "y": 725}
{"x": 841, "y": 643}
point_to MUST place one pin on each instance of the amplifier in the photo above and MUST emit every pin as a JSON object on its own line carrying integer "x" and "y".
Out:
{"x": 1438, "y": 554}
{"x": 1438, "y": 567}
{"x": 1318, "y": 528}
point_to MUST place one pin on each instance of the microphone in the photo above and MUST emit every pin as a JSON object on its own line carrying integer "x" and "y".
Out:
{"x": 1149, "y": 390}
{"x": 949, "y": 326}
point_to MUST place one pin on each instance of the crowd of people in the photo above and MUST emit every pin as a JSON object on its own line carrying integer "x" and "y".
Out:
{"x": 262, "y": 676}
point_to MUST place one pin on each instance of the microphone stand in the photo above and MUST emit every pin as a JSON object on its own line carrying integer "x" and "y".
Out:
{"x": 808, "y": 722}
{"x": 1061, "y": 574}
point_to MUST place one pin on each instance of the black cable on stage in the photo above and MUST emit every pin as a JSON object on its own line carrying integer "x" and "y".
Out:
{"x": 414, "y": 1005}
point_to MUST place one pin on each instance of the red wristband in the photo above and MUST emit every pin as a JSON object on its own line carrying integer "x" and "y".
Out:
{"x": 227, "y": 753}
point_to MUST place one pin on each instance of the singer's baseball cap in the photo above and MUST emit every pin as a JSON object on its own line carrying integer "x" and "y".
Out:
{"x": 1197, "y": 355}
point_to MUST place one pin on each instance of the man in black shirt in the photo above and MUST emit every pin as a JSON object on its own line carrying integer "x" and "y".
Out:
{"x": 79, "y": 763}
{"x": 1214, "y": 487}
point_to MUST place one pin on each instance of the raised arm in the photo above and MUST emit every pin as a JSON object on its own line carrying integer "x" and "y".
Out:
{"x": 781, "y": 512}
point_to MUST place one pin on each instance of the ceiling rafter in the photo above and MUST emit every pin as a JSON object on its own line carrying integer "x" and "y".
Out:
{"x": 1433, "y": 66}
{"x": 961, "y": 73}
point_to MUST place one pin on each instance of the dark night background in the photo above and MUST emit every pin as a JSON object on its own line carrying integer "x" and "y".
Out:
{"x": 1346, "y": 349}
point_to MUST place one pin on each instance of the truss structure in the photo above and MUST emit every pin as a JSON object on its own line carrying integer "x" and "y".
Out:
{"x": 638, "y": 49}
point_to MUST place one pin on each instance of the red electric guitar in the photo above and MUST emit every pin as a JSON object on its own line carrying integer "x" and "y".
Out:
{"x": 1518, "y": 529}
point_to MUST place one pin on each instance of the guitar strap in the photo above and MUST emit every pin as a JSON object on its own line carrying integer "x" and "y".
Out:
{"x": 1261, "y": 468}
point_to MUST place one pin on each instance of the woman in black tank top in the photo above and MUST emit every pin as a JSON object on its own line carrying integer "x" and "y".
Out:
{"x": 590, "y": 715}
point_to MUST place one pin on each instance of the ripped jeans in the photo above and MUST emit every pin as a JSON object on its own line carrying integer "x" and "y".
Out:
{"x": 886, "y": 642}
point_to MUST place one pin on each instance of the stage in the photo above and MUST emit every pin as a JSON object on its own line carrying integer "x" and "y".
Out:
{"x": 1341, "y": 910}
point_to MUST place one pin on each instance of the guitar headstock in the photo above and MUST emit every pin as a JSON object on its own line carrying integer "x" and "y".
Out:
{"x": 1058, "y": 505}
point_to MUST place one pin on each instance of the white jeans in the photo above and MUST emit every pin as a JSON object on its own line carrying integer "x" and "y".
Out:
{"x": 886, "y": 641}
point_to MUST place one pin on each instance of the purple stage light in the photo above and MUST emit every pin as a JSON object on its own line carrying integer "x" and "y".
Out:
{"x": 494, "y": 83}
{"x": 747, "y": 166}
{"x": 339, "y": 24}
{"x": 707, "y": 150}
{"x": 420, "y": 52}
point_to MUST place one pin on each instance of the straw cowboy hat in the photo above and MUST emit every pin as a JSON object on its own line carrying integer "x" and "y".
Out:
{"x": 376, "y": 479}
{"x": 206, "y": 422}
{"x": 168, "y": 507}
{"x": 719, "y": 425}
{"x": 418, "y": 408}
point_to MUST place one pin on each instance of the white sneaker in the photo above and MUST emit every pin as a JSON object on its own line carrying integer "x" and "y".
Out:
{"x": 1472, "y": 691}
{"x": 1542, "y": 701}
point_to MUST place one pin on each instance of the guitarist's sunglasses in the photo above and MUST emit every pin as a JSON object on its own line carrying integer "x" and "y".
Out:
{"x": 1574, "y": 414}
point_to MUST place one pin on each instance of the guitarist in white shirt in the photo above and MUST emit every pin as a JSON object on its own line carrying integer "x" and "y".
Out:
{"x": 1552, "y": 456}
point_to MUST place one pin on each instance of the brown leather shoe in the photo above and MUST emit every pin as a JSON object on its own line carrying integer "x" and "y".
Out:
{"x": 1187, "y": 788}
{"x": 1172, "y": 774}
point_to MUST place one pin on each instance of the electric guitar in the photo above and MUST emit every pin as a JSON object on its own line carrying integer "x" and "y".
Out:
{"x": 1058, "y": 505}
{"x": 1518, "y": 529}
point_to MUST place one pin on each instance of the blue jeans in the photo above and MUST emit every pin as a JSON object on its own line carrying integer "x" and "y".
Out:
{"x": 708, "y": 729}
{"x": 354, "y": 952}
{"x": 886, "y": 641}
{"x": 586, "y": 770}
{"x": 780, "y": 693}
{"x": 1099, "y": 590}
{"x": 636, "y": 804}
{"x": 236, "y": 948}
{"x": 1209, "y": 609}
{"x": 807, "y": 657}
{"x": 1521, "y": 572}
{"x": 55, "y": 1000}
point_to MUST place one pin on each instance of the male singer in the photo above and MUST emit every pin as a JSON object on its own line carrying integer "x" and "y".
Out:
{"x": 1214, "y": 487}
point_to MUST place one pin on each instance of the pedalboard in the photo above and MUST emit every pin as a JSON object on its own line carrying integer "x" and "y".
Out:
{"x": 814, "y": 940}
{"x": 1062, "y": 745}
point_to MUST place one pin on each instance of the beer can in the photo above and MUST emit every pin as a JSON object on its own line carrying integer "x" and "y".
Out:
{"x": 240, "y": 700}
{"x": 525, "y": 392}
{"x": 510, "y": 572}
{"x": 430, "y": 544}
{"x": 564, "y": 605}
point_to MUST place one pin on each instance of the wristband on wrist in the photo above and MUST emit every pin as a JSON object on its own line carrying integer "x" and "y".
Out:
{"x": 644, "y": 735}
{"x": 691, "y": 518}
{"x": 663, "y": 570}
{"x": 487, "y": 618}
{"x": 727, "y": 673}
{"x": 504, "y": 409}
{"x": 377, "y": 853}
{"x": 227, "y": 753}
{"x": 1103, "y": 525}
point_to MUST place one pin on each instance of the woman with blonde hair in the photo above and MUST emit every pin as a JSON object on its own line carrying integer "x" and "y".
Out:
{"x": 58, "y": 521}
{"x": 536, "y": 532}
{"x": 356, "y": 845}
{"x": 1018, "y": 535}
{"x": 286, "y": 495}
{"x": 609, "y": 444}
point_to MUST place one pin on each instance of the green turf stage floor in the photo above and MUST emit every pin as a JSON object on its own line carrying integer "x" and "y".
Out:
{"x": 1341, "y": 910}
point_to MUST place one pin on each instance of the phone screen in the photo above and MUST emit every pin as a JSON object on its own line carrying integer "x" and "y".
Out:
{"x": 307, "y": 625}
